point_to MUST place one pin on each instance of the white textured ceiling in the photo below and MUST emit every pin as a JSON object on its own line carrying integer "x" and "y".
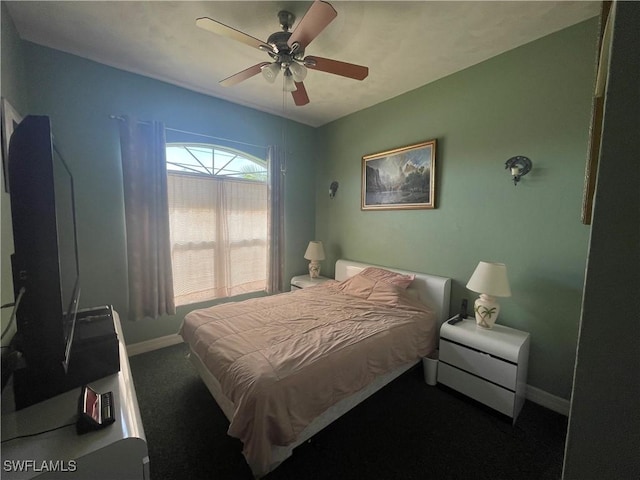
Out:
{"x": 404, "y": 44}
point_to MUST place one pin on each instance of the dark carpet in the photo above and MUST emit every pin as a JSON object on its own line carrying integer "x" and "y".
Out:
{"x": 408, "y": 430}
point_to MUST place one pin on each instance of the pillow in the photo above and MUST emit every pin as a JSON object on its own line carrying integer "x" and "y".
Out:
{"x": 388, "y": 294}
{"x": 358, "y": 286}
{"x": 394, "y": 296}
{"x": 382, "y": 275}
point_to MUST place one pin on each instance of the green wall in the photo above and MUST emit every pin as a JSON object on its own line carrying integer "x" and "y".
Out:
{"x": 80, "y": 95}
{"x": 533, "y": 101}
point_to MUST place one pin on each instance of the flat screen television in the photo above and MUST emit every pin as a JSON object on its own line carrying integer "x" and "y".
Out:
{"x": 46, "y": 274}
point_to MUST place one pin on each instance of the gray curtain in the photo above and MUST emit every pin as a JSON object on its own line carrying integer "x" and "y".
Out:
{"x": 144, "y": 174}
{"x": 275, "y": 274}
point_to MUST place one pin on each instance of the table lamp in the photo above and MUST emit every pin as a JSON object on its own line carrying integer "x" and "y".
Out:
{"x": 314, "y": 253}
{"x": 490, "y": 281}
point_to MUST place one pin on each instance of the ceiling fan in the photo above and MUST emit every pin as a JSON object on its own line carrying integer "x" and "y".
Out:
{"x": 287, "y": 51}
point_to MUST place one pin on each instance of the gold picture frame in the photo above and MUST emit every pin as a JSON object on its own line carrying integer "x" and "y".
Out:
{"x": 400, "y": 179}
{"x": 597, "y": 113}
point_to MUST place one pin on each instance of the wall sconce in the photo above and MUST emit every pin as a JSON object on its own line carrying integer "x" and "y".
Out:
{"x": 519, "y": 167}
{"x": 333, "y": 188}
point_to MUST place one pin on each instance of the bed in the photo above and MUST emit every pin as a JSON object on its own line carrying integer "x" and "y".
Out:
{"x": 283, "y": 367}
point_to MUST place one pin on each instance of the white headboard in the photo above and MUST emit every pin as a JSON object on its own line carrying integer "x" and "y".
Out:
{"x": 432, "y": 289}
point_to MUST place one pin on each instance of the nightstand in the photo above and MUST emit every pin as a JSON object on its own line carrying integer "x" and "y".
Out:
{"x": 488, "y": 365}
{"x": 304, "y": 281}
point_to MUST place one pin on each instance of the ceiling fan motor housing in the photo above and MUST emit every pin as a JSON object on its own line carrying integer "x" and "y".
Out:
{"x": 279, "y": 43}
{"x": 282, "y": 52}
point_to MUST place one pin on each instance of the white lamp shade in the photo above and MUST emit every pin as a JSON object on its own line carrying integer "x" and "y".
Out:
{"x": 270, "y": 72}
{"x": 490, "y": 279}
{"x": 315, "y": 251}
{"x": 298, "y": 72}
{"x": 289, "y": 85}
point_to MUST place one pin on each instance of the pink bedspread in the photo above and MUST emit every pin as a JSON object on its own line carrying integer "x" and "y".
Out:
{"x": 284, "y": 359}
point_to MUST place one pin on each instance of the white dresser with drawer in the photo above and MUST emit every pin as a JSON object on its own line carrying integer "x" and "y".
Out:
{"x": 41, "y": 440}
{"x": 487, "y": 365}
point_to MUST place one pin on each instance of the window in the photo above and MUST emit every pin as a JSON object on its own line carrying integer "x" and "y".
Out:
{"x": 218, "y": 211}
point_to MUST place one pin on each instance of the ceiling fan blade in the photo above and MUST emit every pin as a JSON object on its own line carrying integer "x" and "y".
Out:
{"x": 243, "y": 75}
{"x": 319, "y": 15}
{"x": 221, "y": 29}
{"x": 299, "y": 95}
{"x": 350, "y": 70}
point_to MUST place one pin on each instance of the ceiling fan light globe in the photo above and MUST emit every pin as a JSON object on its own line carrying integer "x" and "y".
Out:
{"x": 289, "y": 84}
{"x": 299, "y": 72}
{"x": 270, "y": 72}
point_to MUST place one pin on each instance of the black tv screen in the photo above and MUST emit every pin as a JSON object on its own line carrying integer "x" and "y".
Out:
{"x": 45, "y": 260}
{"x": 67, "y": 248}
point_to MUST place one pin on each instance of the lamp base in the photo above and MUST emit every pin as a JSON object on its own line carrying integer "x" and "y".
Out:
{"x": 314, "y": 269}
{"x": 487, "y": 309}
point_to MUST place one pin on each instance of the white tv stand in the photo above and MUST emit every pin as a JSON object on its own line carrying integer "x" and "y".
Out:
{"x": 118, "y": 451}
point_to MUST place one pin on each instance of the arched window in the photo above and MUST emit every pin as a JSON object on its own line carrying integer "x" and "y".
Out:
{"x": 216, "y": 161}
{"x": 218, "y": 209}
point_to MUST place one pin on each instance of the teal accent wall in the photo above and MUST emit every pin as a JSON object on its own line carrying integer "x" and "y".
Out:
{"x": 13, "y": 68}
{"x": 533, "y": 101}
{"x": 12, "y": 88}
{"x": 80, "y": 95}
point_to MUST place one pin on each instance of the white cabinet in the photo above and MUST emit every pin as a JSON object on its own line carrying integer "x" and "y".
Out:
{"x": 118, "y": 451}
{"x": 489, "y": 365}
{"x": 304, "y": 281}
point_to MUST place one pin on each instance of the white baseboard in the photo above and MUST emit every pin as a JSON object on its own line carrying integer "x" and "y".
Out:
{"x": 153, "y": 344}
{"x": 557, "y": 404}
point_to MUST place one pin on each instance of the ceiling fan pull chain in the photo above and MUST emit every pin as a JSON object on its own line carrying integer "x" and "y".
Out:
{"x": 283, "y": 163}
